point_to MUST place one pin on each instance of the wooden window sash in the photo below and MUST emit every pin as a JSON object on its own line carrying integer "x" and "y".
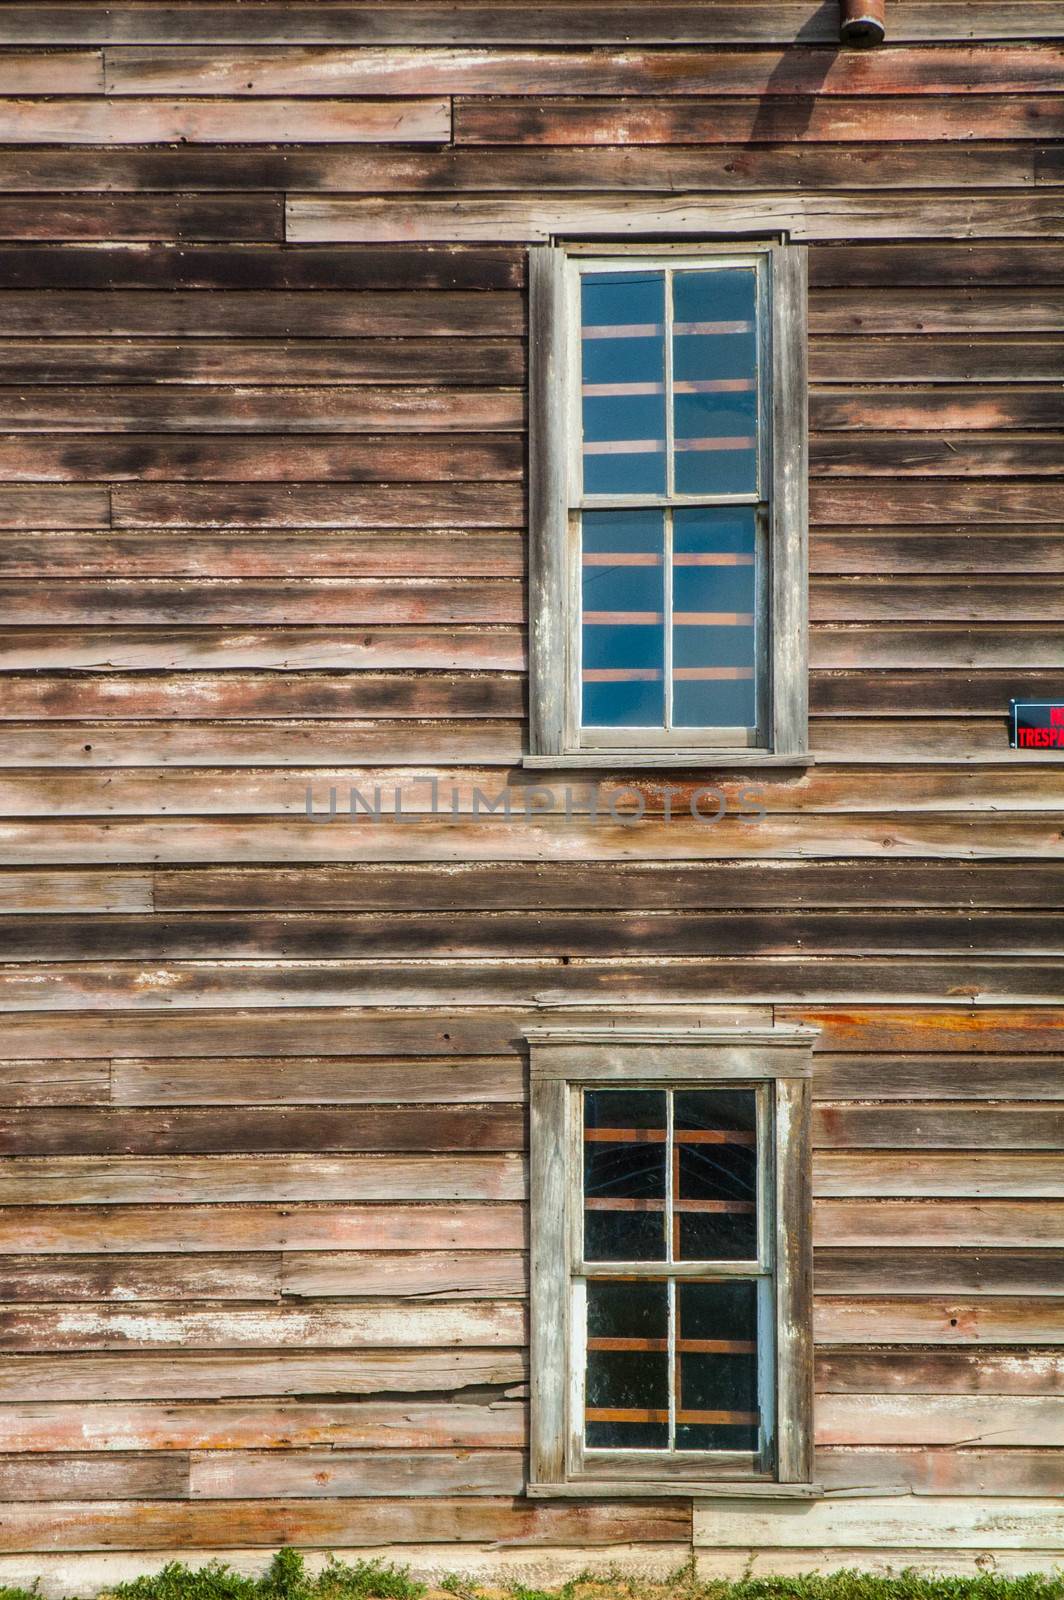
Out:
{"x": 556, "y": 501}
{"x": 565, "y": 1061}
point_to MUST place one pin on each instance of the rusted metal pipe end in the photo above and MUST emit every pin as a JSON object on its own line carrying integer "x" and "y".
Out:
{"x": 863, "y": 22}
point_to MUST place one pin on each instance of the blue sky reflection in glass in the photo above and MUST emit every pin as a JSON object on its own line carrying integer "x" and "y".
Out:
{"x": 623, "y": 603}
{"x": 714, "y": 603}
{"x": 715, "y": 382}
{"x": 623, "y": 341}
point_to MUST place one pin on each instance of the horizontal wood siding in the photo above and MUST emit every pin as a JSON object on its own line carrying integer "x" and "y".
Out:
{"x": 263, "y": 538}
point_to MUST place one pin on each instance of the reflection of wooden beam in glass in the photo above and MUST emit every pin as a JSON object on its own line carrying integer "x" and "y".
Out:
{"x": 624, "y": 330}
{"x": 623, "y": 1414}
{"x": 635, "y": 618}
{"x": 622, "y": 558}
{"x": 624, "y": 447}
{"x": 711, "y": 619}
{"x": 713, "y": 675}
{"x": 622, "y": 675}
{"x": 626, "y": 1135}
{"x": 726, "y": 1418}
{"x": 606, "y": 1343}
{"x": 611, "y": 1203}
{"x": 716, "y": 1347}
{"x": 713, "y": 386}
{"x": 710, "y": 558}
{"x": 683, "y": 328}
{"x": 739, "y": 442}
{"x": 713, "y": 1135}
{"x": 592, "y": 391}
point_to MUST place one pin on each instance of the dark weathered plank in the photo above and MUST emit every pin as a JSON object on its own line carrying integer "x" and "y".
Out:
{"x": 123, "y": 1278}
{"x": 943, "y": 359}
{"x": 926, "y": 1127}
{"x": 976, "y": 552}
{"x": 940, "y": 1372}
{"x": 991, "y": 1320}
{"x": 907, "y": 1029}
{"x": 93, "y": 986}
{"x": 54, "y": 1083}
{"x": 258, "y": 1424}
{"x": 915, "y": 1271}
{"x": 953, "y": 1223}
{"x": 136, "y": 1179}
{"x": 262, "y": 361}
{"x": 989, "y": 310}
{"x": 335, "y": 408}
{"x": 1009, "y": 263}
{"x": 266, "y": 1475}
{"x": 932, "y": 455}
{"x": 32, "y": 506}
{"x": 579, "y": 885}
{"x": 435, "y": 458}
{"x": 299, "y": 695}
{"x": 800, "y": 118}
{"x": 311, "y": 1080}
{"x": 193, "y": 1228}
{"x": 51, "y": 72}
{"x": 249, "y": 555}
{"x": 456, "y": 933}
{"x": 311, "y": 163}
{"x": 193, "y": 314}
{"x": 265, "y": 1129}
{"x": 352, "y": 600}
{"x": 948, "y": 1471}
{"x": 450, "y": 647}
{"x": 869, "y": 599}
{"x": 46, "y": 1478}
{"x": 931, "y": 1077}
{"x": 977, "y": 407}
{"x": 310, "y": 71}
{"x": 290, "y": 1373}
{"x": 548, "y": 23}
{"x": 536, "y": 219}
{"x": 254, "y": 216}
{"x": 166, "y": 1525}
{"x": 324, "y": 1324}
{"x": 243, "y": 267}
{"x": 103, "y": 121}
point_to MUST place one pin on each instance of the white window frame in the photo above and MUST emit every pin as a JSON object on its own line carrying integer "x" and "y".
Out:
{"x": 776, "y": 1062}
{"x": 556, "y": 737}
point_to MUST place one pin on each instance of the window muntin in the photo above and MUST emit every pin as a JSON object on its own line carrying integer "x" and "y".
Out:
{"x": 675, "y": 1359}
{"x": 673, "y": 594}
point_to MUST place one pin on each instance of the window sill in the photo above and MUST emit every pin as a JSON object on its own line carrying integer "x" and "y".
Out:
{"x": 728, "y": 1489}
{"x": 736, "y": 759}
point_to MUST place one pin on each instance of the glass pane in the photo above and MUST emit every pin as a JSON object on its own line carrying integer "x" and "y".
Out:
{"x": 715, "y": 1175}
{"x": 623, "y": 343}
{"x": 623, "y": 636}
{"x": 716, "y": 1361}
{"x": 627, "y": 1401}
{"x": 624, "y": 1174}
{"x": 715, "y": 381}
{"x": 714, "y": 588}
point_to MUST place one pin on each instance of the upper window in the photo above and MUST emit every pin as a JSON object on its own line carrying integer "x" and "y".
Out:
{"x": 670, "y": 1229}
{"x": 668, "y": 529}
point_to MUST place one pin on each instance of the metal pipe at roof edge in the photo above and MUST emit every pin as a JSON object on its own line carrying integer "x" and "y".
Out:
{"x": 862, "y": 22}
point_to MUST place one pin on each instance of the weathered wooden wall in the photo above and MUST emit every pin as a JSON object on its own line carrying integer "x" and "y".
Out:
{"x": 261, "y": 442}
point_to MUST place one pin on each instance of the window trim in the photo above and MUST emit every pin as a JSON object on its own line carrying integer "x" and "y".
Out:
{"x": 554, "y": 741}
{"x": 564, "y": 1059}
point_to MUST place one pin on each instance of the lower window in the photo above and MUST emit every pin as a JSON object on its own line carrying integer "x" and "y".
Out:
{"x": 670, "y": 1237}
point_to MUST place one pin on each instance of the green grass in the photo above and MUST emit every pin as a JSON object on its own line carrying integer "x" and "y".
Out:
{"x": 287, "y": 1578}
